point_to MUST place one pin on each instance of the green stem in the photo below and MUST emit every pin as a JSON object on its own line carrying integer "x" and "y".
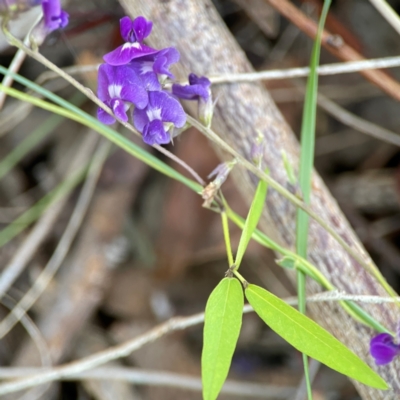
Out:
{"x": 240, "y": 277}
{"x": 225, "y": 228}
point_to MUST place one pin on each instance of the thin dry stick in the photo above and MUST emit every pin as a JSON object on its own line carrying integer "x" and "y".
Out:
{"x": 33, "y": 331}
{"x": 139, "y": 376}
{"x": 17, "y": 61}
{"x": 64, "y": 244}
{"x": 339, "y": 49}
{"x": 174, "y": 324}
{"x": 327, "y": 69}
{"x": 388, "y": 13}
{"x": 41, "y": 229}
{"x": 15, "y": 65}
{"x": 356, "y": 122}
{"x": 274, "y": 74}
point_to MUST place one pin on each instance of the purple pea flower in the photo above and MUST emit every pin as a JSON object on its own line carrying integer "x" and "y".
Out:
{"x": 155, "y": 67}
{"x": 383, "y": 349}
{"x": 198, "y": 89}
{"x": 54, "y": 16}
{"x": 162, "y": 113}
{"x": 133, "y": 32}
{"x": 118, "y": 87}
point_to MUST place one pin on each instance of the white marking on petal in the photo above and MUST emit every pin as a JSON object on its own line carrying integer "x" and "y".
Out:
{"x": 129, "y": 45}
{"x": 154, "y": 113}
{"x": 146, "y": 66}
{"x": 114, "y": 91}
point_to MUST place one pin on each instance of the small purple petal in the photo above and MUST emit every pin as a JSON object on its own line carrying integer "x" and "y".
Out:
{"x": 126, "y": 29}
{"x": 136, "y": 30}
{"x": 54, "y": 16}
{"x": 144, "y": 69}
{"x": 162, "y": 108}
{"x": 121, "y": 82}
{"x": 140, "y": 119}
{"x": 119, "y": 108}
{"x": 383, "y": 349}
{"x": 127, "y": 52}
{"x": 170, "y": 108}
{"x": 196, "y": 80}
{"x": 154, "y": 133}
{"x": 164, "y": 59}
{"x": 198, "y": 87}
{"x": 142, "y": 28}
{"x": 105, "y": 118}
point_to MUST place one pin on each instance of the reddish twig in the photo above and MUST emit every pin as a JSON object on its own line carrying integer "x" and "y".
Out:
{"x": 336, "y": 46}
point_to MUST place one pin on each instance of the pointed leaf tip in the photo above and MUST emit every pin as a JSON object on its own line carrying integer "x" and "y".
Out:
{"x": 308, "y": 337}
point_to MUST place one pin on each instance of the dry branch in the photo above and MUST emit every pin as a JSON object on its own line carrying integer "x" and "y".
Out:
{"x": 207, "y": 47}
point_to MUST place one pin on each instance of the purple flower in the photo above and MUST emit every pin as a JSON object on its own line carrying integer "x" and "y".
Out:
{"x": 118, "y": 87}
{"x": 198, "y": 89}
{"x": 133, "y": 32}
{"x": 162, "y": 113}
{"x": 155, "y": 67}
{"x": 54, "y": 16}
{"x": 136, "y": 30}
{"x": 383, "y": 349}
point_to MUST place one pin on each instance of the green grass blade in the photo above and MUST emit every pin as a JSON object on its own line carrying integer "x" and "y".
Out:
{"x": 251, "y": 221}
{"x": 309, "y": 338}
{"x": 308, "y": 138}
{"x": 306, "y": 168}
{"x": 222, "y": 322}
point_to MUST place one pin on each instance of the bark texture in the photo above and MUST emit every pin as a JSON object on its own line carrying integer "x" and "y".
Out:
{"x": 207, "y": 47}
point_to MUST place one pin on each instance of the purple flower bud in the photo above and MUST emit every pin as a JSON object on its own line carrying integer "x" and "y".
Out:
{"x": 198, "y": 89}
{"x": 383, "y": 349}
{"x": 118, "y": 87}
{"x": 136, "y": 30}
{"x": 54, "y": 16}
{"x": 221, "y": 172}
{"x": 162, "y": 113}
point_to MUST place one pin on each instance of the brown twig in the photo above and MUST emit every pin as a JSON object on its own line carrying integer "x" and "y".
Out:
{"x": 336, "y": 46}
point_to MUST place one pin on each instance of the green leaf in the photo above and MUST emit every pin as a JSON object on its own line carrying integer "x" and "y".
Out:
{"x": 251, "y": 220}
{"x": 308, "y": 337}
{"x": 223, "y": 319}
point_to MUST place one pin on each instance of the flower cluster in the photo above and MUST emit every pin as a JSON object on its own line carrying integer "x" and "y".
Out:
{"x": 383, "y": 348}
{"x": 53, "y": 16}
{"x": 133, "y": 76}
